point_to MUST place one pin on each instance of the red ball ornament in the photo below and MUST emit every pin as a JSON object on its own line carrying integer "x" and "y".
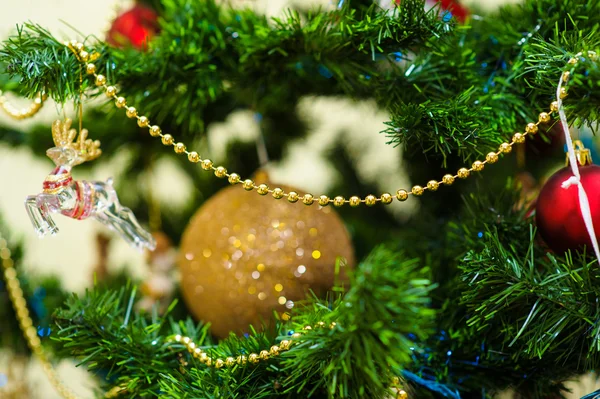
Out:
{"x": 454, "y": 7}
{"x": 134, "y": 27}
{"x": 558, "y": 216}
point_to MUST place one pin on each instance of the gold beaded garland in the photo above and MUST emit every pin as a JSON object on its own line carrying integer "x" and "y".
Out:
{"x": 155, "y": 131}
{"x": 167, "y": 139}
{"x": 207, "y": 164}
{"x": 179, "y": 148}
{"x": 338, "y": 201}
{"x": 220, "y": 172}
{"x": 263, "y": 189}
{"x": 131, "y": 112}
{"x": 432, "y": 185}
{"x": 491, "y": 157}
{"x": 293, "y": 196}
{"x": 248, "y": 185}
{"x": 370, "y": 200}
{"x": 418, "y": 190}
{"x": 277, "y": 193}
{"x": 448, "y": 179}
{"x": 478, "y": 166}
{"x": 120, "y": 102}
{"x": 463, "y": 173}
{"x": 402, "y": 195}
{"x": 111, "y": 91}
{"x": 323, "y": 200}
{"x": 234, "y": 178}
{"x": 193, "y": 157}
{"x": 253, "y": 358}
{"x": 386, "y": 198}
{"x": 308, "y": 199}
{"x": 143, "y": 121}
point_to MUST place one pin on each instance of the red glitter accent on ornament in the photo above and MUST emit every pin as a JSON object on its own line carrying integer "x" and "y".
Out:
{"x": 134, "y": 27}
{"x": 558, "y": 216}
{"x": 84, "y": 204}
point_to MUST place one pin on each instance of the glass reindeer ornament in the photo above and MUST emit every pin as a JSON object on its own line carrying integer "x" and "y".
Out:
{"x": 79, "y": 199}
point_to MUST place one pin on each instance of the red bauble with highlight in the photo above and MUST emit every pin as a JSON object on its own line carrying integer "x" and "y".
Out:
{"x": 133, "y": 28}
{"x": 558, "y": 216}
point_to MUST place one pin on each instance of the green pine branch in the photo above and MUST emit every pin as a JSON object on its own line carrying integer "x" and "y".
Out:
{"x": 352, "y": 360}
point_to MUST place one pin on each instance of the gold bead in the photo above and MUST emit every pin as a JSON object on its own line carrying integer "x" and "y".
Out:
{"x": 111, "y": 91}
{"x": 478, "y": 166}
{"x": 197, "y": 352}
{"x": 207, "y": 164}
{"x": 563, "y": 93}
{"x": 402, "y": 195}
{"x": 143, "y": 121}
{"x": 77, "y": 45}
{"x": 120, "y": 102}
{"x": 572, "y": 61}
{"x": 274, "y": 351}
{"x": 296, "y": 335}
{"x": 191, "y": 347}
{"x": 432, "y": 185}
{"x": 592, "y": 55}
{"x": 263, "y": 189}
{"x": 187, "y": 340}
{"x": 386, "y": 198}
{"x": 277, "y": 193}
{"x": 463, "y": 173}
{"x": 321, "y": 324}
{"x": 155, "y": 131}
{"x": 491, "y": 157}
{"x": 448, "y": 179}
{"x": 554, "y": 106}
{"x": 193, "y": 157}
{"x": 219, "y": 363}
{"x": 323, "y": 200}
{"x": 167, "y": 139}
{"x": 293, "y": 196}
{"x": 370, "y": 200}
{"x": 544, "y": 117}
{"x": 505, "y": 148}
{"x": 253, "y": 358}
{"x": 518, "y": 138}
{"x": 178, "y": 338}
{"x": 100, "y": 80}
{"x": 264, "y": 355}
{"x": 203, "y": 357}
{"x": 248, "y": 185}
{"x": 179, "y": 148}
{"x": 284, "y": 345}
{"x": 229, "y": 361}
{"x": 531, "y": 128}
{"x": 308, "y": 199}
{"x": 208, "y": 361}
{"x": 131, "y": 112}
{"x": 234, "y": 178}
{"x": 84, "y": 55}
{"x": 90, "y": 69}
{"x": 332, "y": 325}
{"x": 417, "y": 190}
{"x": 354, "y": 201}
{"x": 402, "y": 394}
{"x": 220, "y": 172}
{"x": 307, "y": 328}
{"x": 338, "y": 201}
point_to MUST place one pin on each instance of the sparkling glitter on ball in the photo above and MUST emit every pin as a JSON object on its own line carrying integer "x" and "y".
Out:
{"x": 254, "y": 256}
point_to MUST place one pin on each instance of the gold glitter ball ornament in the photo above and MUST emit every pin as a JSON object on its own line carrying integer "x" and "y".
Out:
{"x": 242, "y": 257}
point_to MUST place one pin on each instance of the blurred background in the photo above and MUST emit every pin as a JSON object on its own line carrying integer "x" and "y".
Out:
{"x": 304, "y": 164}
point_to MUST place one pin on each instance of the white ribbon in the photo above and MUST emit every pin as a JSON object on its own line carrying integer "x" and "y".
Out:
{"x": 584, "y": 204}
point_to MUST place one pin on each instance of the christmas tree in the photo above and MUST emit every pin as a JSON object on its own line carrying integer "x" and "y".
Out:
{"x": 469, "y": 280}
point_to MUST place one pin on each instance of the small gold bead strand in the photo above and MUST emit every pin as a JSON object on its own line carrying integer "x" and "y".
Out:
{"x": 309, "y": 199}
{"x": 253, "y": 358}
{"x": 25, "y": 322}
{"x": 24, "y": 113}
